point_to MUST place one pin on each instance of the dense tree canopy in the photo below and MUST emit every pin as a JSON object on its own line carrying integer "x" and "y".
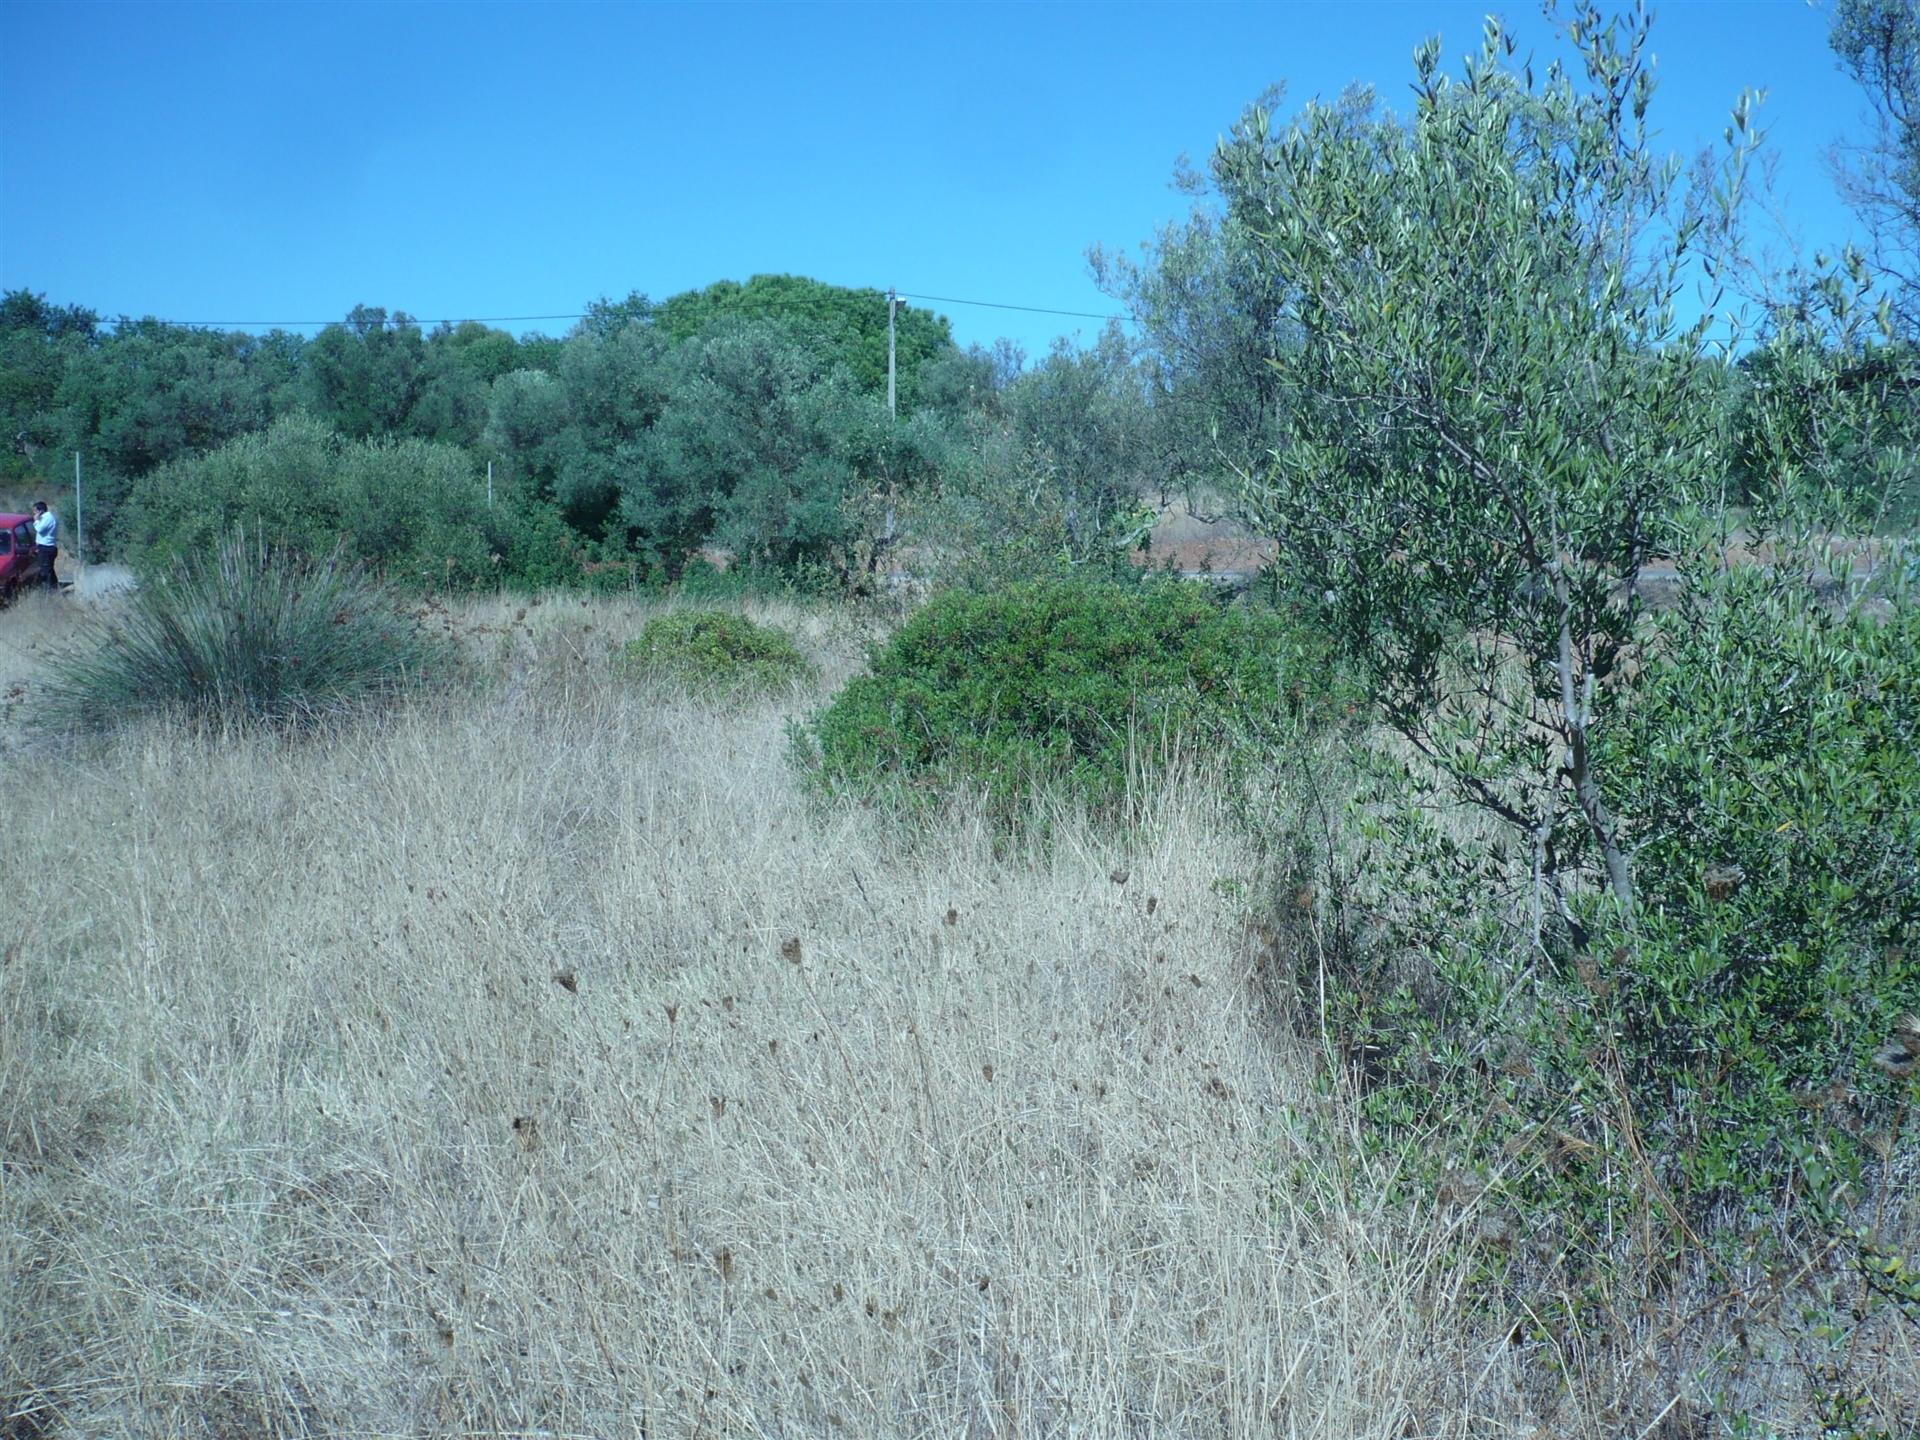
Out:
{"x": 38, "y": 342}
{"x": 849, "y": 326}
{"x": 739, "y": 415}
{"x": 747, "y": 414}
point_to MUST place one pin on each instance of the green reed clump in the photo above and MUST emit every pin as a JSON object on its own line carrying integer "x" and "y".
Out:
{"x": 247, "y": 634}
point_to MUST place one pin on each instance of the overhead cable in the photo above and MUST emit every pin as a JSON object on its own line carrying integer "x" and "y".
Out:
{"x": 575, "y": 315}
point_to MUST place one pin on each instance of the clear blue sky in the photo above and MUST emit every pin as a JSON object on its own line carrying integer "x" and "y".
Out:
{"x": 286, "y": 161}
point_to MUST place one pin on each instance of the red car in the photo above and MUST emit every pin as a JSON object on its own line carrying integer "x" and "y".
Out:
{"x": 19, "y": 564}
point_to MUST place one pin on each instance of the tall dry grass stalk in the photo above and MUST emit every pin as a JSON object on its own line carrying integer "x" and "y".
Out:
{"x": 34, "y": 625}
{"x": 545, "y": 1064}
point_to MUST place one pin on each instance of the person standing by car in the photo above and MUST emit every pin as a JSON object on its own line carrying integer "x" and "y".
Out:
{"x": 46, "y": 541}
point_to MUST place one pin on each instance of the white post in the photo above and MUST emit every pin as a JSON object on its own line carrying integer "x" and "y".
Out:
{"x": 79, "y": 532}
{"x": 893, "y": 302}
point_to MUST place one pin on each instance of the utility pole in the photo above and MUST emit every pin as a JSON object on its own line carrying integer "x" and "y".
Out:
{"x": 489, "y": 484}
{"x": 79, "y": 529}
{"x": 893, "y": 304}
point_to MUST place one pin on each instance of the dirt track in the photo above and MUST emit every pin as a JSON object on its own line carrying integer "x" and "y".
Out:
{"x": 91, "y": 581}
{"x": 1218, "y": 549}
{"x": 1227, "y": 551}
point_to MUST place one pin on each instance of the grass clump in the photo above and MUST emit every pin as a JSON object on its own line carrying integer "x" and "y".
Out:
{"x": 717, "y": 652}
{"x": 1072, "y": 683}
{"x": 247, "y": 634}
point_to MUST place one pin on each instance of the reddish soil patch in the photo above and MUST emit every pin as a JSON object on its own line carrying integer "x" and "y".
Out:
{"x": 1196, "y": 547}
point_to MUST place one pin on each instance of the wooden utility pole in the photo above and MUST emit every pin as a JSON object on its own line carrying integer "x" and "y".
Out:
{"x": 79, "y": 529}
{"x": 893, "y": 304}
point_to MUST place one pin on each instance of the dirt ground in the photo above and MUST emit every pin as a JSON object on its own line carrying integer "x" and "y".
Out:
{"x": 1228, "y": 551}
{"x": 1196, "y": 546}
{"x": 97, "y": 579}
{"x": 36, "y": 626}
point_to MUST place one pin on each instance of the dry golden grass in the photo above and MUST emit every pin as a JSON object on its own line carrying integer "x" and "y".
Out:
{"x": 32, "y": 627}
{"x": 544, "y": 1063}
{"x": 541, "y": 1061}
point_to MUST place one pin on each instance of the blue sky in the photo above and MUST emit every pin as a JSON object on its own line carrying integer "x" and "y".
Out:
{"x": 287, "y": 161}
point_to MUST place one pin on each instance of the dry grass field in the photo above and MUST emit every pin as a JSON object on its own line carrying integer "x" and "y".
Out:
{"x": 544, "y": 1062}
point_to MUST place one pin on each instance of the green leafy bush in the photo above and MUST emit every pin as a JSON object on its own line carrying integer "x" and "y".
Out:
{"x": 1066, "y": 682}
{"x": 247, "y": 634}
{"x": 1769, "y": 764}
{"x": 411, "y": 510}
{"x": 1730, "y": 1066}
{"x": 717, "y": 651}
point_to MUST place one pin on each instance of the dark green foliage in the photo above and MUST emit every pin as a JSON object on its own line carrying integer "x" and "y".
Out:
{"x": 38, "y": 342}
{"x": 743, "y": 436}
{"x": 151, "y": 393}
{"x": 461, "y": 364}
{"x": 759, "y": 447}
{"x": 244, "y": 634}
{"x": 614, "y": 388}
{"x": 540, "y": 551}
{"x": 1770, "y": 764}
{"x": 364, "y": 377}
{"x": 748, "y": 418}
{"x": 1072, "y": 683}
{"x": 531, "y": 430}
{"x": 1710, "y": 1080}
{"x": 842, "y": 327}
{"x": 717, "y": 652}
{"x": 377, "y": 376}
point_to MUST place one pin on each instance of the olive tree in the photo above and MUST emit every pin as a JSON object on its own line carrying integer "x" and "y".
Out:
{"x": 1498, "y": 414}
{"x": 1829, "y": 427}
{"x": 1213, "y": 323}
{"x": 1877, "y": 42}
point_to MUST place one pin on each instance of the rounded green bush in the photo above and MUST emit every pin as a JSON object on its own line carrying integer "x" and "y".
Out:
{"x": 1063, "y": 683}
{"x": 717, "y": 651}
{"x": 248, "y": 634}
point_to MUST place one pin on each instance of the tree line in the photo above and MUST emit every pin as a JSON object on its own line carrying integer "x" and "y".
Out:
{"x": 745, "y": 418}
{"x": 750, "y": 418}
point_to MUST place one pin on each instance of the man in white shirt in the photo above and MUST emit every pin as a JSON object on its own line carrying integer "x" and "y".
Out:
{"x": 46, "y": 541}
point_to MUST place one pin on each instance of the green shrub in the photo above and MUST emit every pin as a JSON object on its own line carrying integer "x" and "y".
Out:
{"x": 1769, "y": 764}
{"x": 1727, "y": 1069}
{"x": 703, "y": 583}
{"x": 1066, "y": 682}
{"x": 247, "y": 634}
{"x": 412, "y": 511}
{"x": 717, "y": 652}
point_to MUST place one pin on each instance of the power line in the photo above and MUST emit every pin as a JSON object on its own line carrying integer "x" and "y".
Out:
{"x": 1029, "y": 309}
{"x": 343, "y": 320}
{"x": 575, "y": 315}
